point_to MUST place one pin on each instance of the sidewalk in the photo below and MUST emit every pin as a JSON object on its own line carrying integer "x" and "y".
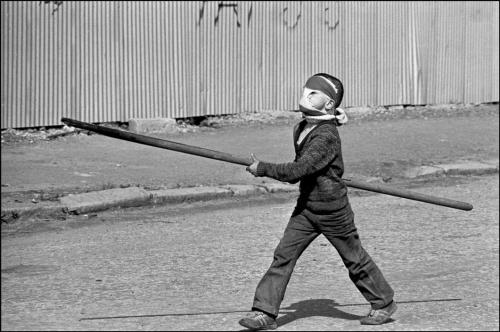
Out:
{"x": 83, "y": 174}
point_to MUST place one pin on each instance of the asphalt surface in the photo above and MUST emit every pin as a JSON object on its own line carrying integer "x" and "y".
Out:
{"x": 194, "y": 267}
{"x": 381, "y": 146}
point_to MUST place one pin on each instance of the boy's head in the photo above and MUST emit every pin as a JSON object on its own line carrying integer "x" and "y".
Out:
{"x": 322, "y": 93}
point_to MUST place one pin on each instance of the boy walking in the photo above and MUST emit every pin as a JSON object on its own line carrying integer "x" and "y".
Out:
{"x": 322, "y": 208}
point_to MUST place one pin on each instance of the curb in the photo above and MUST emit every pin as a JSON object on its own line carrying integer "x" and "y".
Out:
{"x": 459, "y": 168}
{"x": 135, "y": 196}
{"x": 96, "y": 201}
{"x": 104, "y": 199}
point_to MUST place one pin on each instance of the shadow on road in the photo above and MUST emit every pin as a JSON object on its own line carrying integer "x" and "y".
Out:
{"x": 314, "y": 307}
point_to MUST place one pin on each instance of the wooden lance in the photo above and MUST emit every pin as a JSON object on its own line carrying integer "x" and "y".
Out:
{"x": 212, "y": 154}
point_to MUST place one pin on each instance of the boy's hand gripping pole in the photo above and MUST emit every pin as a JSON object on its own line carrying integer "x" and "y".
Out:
{"x": 212, "y": 154}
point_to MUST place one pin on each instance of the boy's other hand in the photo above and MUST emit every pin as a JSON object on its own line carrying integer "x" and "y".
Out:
{"x": 253, "y": 167}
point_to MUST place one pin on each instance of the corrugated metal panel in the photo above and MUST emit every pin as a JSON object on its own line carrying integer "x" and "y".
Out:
{"x": 112, "y": 61}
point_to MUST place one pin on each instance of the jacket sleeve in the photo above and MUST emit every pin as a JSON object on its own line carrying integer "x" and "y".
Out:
{"x": 319, "y": 152}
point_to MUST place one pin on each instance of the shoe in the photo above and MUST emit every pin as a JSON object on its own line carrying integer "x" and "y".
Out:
{"x": 257, "y": 320}
{"x": 379, "y": 316}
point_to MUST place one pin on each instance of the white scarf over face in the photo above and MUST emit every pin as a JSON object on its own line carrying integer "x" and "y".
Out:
{"x": 317, "y": 92}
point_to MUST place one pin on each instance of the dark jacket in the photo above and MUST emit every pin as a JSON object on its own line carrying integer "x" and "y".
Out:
{"x": 319, "y": 167}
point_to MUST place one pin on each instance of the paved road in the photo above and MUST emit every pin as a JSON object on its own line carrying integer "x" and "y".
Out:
{"x": 195, "y": 267}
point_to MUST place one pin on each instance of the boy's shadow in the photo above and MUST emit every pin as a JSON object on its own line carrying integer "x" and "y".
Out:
{"x": 314, "y": 307}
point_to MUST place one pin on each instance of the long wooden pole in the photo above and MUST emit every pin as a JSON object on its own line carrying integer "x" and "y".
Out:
{"x": 212, "y": 154}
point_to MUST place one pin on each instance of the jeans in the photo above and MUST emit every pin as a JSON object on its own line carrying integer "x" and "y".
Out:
{"x": 338, "y": 227}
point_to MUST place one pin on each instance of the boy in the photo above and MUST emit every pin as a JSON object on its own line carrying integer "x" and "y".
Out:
{"x": 322, "y": 208}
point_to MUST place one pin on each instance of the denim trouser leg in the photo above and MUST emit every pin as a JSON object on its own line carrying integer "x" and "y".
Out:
{"x": 299, "y": 233}
{"x": 363, "y": 271}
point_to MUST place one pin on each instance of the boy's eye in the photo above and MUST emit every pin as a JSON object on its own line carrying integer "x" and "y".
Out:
{"x": 312, "y": 94}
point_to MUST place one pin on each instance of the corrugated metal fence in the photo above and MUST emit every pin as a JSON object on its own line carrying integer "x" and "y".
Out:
{"x": 100, "y": 61}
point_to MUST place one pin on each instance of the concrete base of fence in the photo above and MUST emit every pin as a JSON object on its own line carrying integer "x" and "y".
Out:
{"x": 157, "y": 125}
